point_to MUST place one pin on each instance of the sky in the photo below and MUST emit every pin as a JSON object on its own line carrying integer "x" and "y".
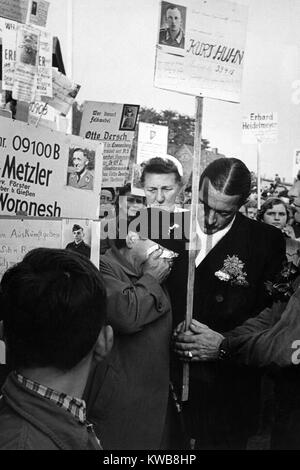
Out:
{"x": 112, "y": 44}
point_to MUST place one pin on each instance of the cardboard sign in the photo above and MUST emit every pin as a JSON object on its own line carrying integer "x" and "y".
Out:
{"x": 203, "y": 54}
{"x": 262, "y": 127}
{"x": 152, "y": 141}
{"x": 18, "y": 237}
{"x": 114, "y": 124}
{"x": 45, "y": 173}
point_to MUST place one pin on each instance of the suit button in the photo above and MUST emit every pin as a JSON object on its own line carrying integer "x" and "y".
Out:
{"x": 160, "y": 307}
{"x": 219, "y": 298}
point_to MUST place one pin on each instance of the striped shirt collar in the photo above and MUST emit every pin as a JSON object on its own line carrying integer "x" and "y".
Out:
{"x": 75, "y": 406}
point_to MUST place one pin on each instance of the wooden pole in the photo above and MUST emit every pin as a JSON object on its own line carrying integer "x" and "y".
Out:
{"x": 258, "y": 173}
{"x": 192, "y": 235}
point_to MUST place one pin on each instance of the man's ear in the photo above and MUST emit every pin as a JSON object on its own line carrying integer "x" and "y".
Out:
{"x": 131, "y": 238}
{"x": 104, "y": 343}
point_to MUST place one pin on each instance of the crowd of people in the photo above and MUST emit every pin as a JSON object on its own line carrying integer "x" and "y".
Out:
{"x": 95, "y": 357}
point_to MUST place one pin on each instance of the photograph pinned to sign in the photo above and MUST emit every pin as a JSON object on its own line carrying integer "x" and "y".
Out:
{"x": 172, "y": 28}
{"x": 26, "y": 67}
{"x": 81, "y": 168}
{"x": 77, "y": 236}
{"x": 211, "y": 62}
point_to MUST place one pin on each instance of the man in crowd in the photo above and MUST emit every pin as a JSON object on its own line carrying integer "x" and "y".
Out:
{"x": 78, "y": 244}
{"x": 81, "y": 178}
{"x": 128, "y": 396}
{"x": 53, "y": 306}
{"x": 238, "y": 255}
{"x": 173, "y": 35}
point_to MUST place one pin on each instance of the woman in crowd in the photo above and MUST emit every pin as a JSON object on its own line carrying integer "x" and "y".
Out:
{"x": 275, "y": 212}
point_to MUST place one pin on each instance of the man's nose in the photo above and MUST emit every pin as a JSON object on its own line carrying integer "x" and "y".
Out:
{"x": 160, "y": 197}
{"x": 277, "y": 217}
{"x": 211, "y": 217}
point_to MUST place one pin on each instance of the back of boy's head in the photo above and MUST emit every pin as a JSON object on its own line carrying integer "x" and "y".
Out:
{"x": 53, "y": 308}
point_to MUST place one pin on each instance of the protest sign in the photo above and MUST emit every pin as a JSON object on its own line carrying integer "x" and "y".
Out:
{"x": 26, "y": 67}
{"x": 260, "y": 126}
{"x": 18, "y": 237}
{"x": 38, "y": 12}
{"x": 33, "y": 12}
{"x": 206, "y": 57}
{"x": 152, "y": 141}
{"x": 44, "y": 79}
{"x": 9, "y": 44}
{"x": 45, "y": 173}
{"x": 64, "y": 92}
{"x": 114, "y": 124}
{"x": 16, "y": 10}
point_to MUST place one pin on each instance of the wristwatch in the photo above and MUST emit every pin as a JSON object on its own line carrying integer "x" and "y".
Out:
{"x": 223, "y": 351}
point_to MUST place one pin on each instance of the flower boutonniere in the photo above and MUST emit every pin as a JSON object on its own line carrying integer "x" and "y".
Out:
{"x": 232, "y": 271}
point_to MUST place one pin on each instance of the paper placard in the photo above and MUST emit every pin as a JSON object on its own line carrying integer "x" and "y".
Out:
{"x": 203, "y": 54}
{"x": 45, "y": 173}
{"x": 262, "y": 127}
{"x": 114, "y": 125}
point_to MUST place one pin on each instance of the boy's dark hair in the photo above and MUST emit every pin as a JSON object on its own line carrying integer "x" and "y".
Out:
{"x": 230, "y": 176}
{"x": 53, "y": 306}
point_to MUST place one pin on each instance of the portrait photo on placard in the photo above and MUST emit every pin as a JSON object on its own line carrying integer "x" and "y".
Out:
{"x": 81, "y": 168}
{"x": 27, "y": 47}
{"x": 129, "y": 117}
{"x": 172, "y": 25}
{"x": 77, "y": 236}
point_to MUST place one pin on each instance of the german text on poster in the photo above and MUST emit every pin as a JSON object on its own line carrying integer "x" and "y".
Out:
{"x": 201, "y": 48}
{"x": 114, "y": 124}
{"x": 46, "y": 173}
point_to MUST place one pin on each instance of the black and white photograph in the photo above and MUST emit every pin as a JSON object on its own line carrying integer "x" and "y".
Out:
{"x": 129, "y": 117}
{"x": 172, "y": 25}
{"x": 81, "y": 168}
{"x": 76, "y": 236}
{"x": 150, "y": 252}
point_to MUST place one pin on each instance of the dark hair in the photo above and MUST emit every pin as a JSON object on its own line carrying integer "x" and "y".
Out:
{"x": 54, "y": 305}
{"x": 269, "y": 204}
{"x": 158, "y": 165}
{"x": 230, "y": 176}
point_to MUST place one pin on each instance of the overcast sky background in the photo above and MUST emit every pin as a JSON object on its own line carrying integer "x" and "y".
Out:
{"x": 113, "y": 60}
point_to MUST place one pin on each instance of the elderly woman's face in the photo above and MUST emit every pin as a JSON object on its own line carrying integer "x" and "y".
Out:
{"x": 276, "y": 216}
{"x": 161, "y": 190}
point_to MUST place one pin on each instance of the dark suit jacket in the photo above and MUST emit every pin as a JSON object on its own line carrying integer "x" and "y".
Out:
{"x": 223, "y": 395}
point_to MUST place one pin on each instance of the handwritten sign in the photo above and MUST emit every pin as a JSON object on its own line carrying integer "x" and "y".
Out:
{"x": 45, "y": 173}
{"x": 152, "y": 141}
{"x": 18, "y": 237}
{"x": 205, "y": 55}
{"x": 64, "y": 92}
{"x": 15, "y": 10}
{"x": 261, "y": 127}
{"x": 114, "y": 124}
